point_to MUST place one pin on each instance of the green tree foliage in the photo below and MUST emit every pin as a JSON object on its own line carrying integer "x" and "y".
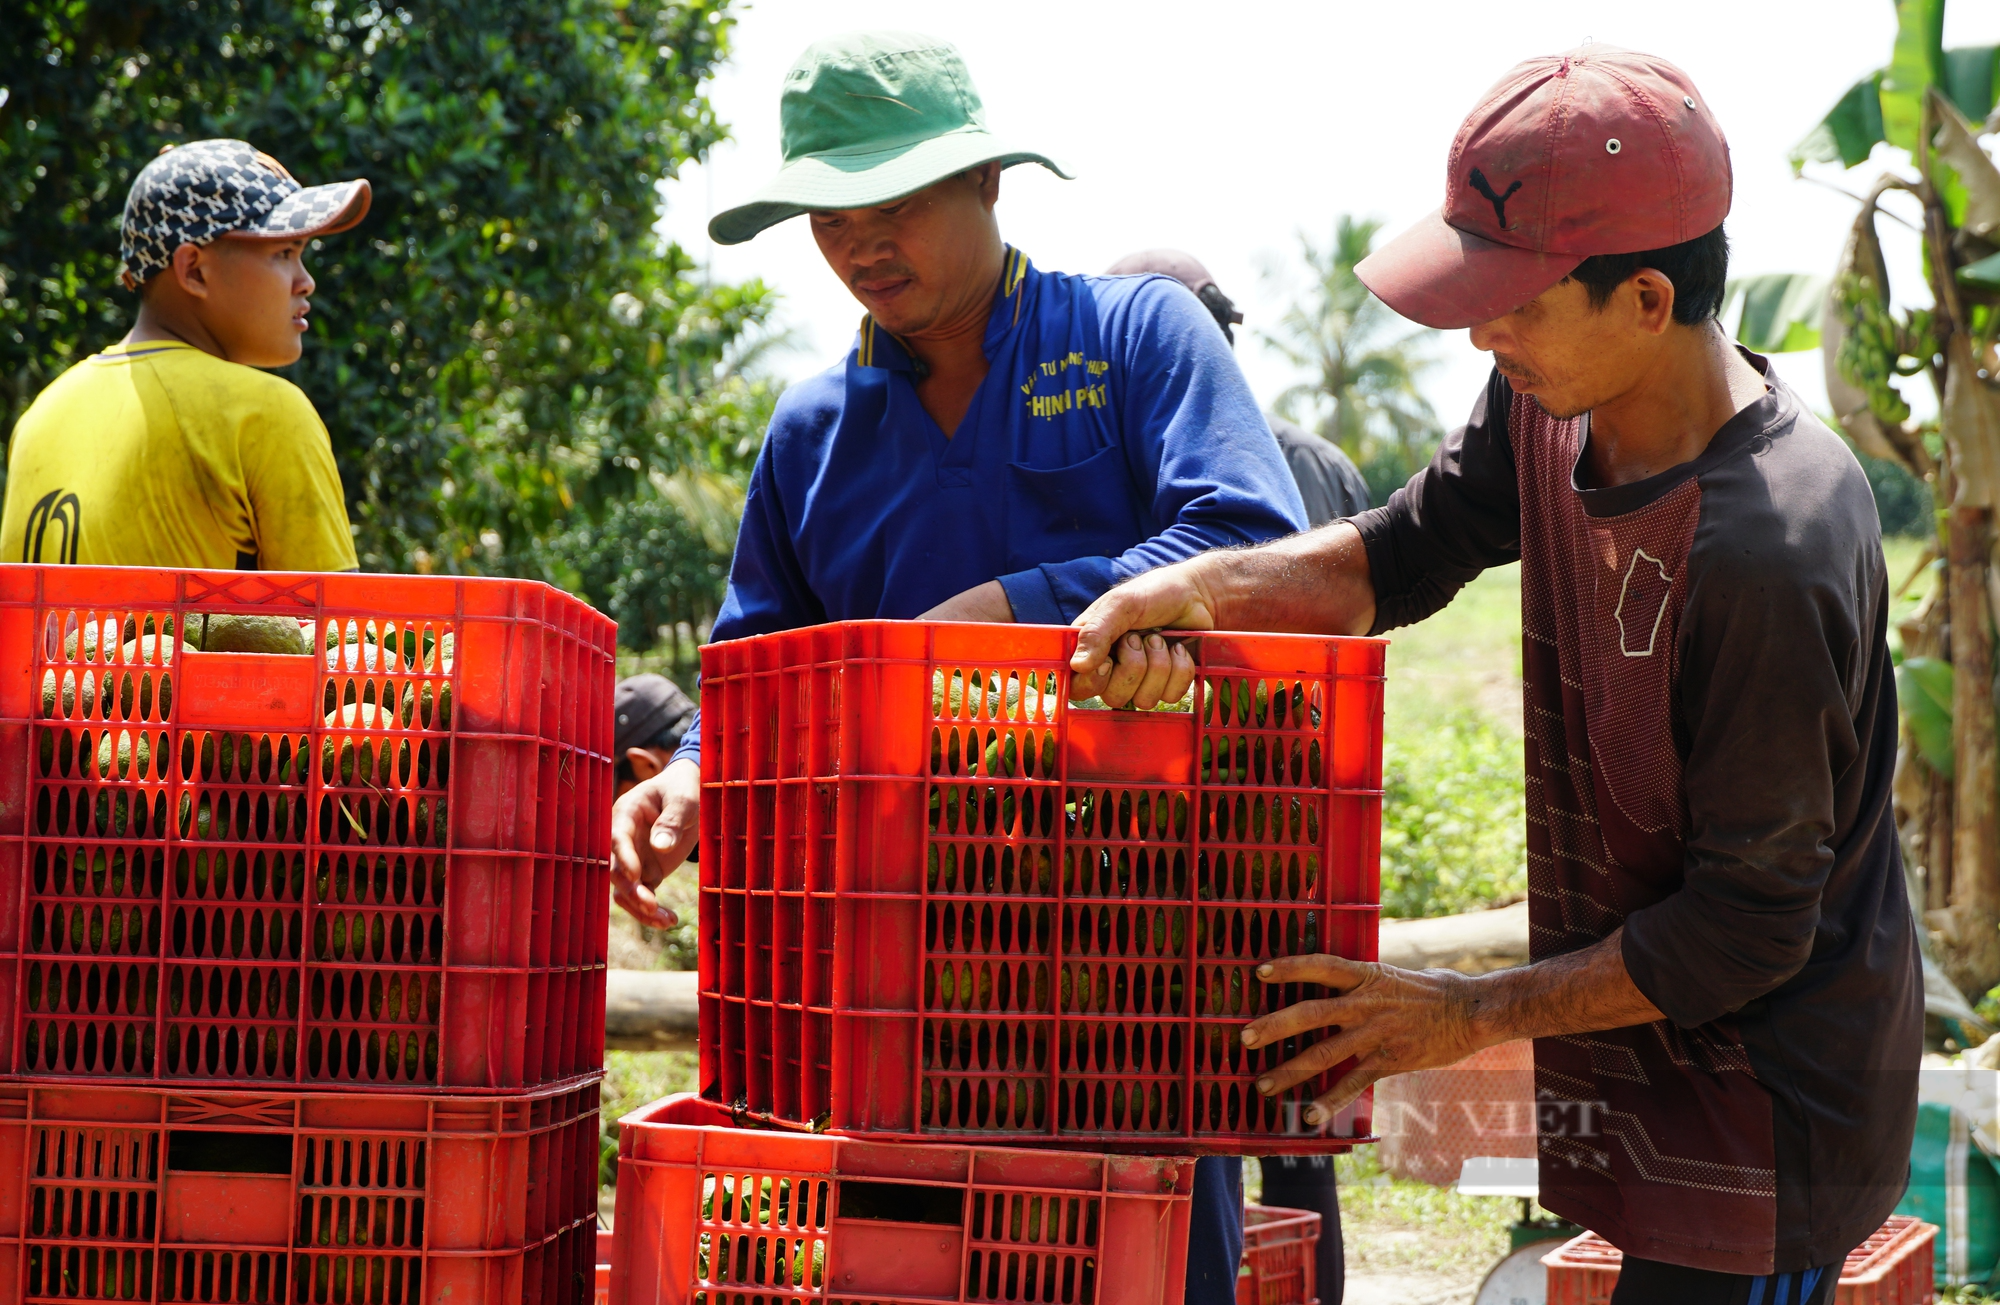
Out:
{"x": 658, "y": 559}
{"x": 1362, "y": 364}
{"x": 506, "y": 357}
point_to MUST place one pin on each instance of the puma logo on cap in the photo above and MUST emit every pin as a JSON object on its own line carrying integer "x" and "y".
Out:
{"x": 1499, "y": 202}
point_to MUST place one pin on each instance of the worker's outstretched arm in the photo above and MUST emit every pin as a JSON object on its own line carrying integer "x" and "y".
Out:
{"x": 1316, "y": 582}
{"x": 1391, "y": 1021}
{"x": 1384, "y": 568}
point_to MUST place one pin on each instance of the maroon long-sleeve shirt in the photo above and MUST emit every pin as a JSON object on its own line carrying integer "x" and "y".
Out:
{"x": 1711, "y": 733}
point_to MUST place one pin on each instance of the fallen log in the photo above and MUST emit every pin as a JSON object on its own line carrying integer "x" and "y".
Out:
{"x": 1475, "y": 943}
{"x": 650, "y": 1010}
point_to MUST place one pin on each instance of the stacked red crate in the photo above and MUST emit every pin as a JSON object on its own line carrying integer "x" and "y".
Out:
{"x": 1893, "y": 1267}
{"x": 1279, "y": 1257}
{"x": 359, "y": 885}
{"x": 141, "y": 1194}
{"x": 711, "y": 1210}
{"x": 941, "y": 902}
{"x": 947, "y": 914}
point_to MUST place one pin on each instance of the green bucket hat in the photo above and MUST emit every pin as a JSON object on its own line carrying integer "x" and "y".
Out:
{"x": 867, "y": 118}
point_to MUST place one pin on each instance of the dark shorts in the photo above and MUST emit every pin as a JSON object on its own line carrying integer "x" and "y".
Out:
{"x": 1649, "y": 1282}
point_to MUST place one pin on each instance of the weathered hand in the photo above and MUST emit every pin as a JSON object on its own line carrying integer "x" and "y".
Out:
{"x": 1388, "y": 1021}
{"x": 1117, "y": 663}
{"x": 653, "y": 828}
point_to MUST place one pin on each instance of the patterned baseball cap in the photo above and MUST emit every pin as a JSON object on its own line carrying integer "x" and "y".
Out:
{"x": 195, "y": 192}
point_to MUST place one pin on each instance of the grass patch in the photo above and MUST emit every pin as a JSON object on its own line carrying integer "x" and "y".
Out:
{"x": 1454, "y": 818}
{"x": 1394, "y": 1225}
{"x": 631, "y": 1079}
{"x": 1454, "y": 830}
{"x": 1465, "y": 657}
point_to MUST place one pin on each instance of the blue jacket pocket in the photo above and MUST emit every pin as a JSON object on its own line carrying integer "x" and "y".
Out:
{"x": 1087, "y": 509}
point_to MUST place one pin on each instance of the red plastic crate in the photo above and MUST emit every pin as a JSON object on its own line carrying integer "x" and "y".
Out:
{"x": 142, "y": 1194}
{"x": 1893, "y": 1267}
{"x": 1279, "y": 1247}
{"x": 602, "y": 1294}
{"x": 978, "y": 912}
{"x": 886, "y": 1222}
{"x": 202, "y": 880}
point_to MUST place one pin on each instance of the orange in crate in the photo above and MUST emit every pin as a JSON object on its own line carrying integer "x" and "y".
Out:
{"x": 940, "y": 901}
{"x": 377, "y": 862}
{"x": 1279, "y": 1250}
{"x": 710, "y": 1211}
{"x": 143, "y": 1194}
{"x": 1893, "y": 1267}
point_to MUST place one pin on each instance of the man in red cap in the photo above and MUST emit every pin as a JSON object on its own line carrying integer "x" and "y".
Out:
{"x": 1725, "y": 997}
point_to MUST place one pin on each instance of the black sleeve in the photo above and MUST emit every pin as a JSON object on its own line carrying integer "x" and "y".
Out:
{"x": 1779, "y": 680}
{"x": 1455, "y": 518}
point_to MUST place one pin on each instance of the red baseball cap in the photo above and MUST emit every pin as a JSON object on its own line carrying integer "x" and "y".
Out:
{"x": 1597, "y": 151}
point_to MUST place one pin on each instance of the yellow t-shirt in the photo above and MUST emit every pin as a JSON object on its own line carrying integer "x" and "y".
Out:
{"x": 158, "y": 454}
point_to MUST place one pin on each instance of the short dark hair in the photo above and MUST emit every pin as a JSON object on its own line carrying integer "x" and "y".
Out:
{"x": 1222, "y": 307}
{"x": 1699, "y": 269}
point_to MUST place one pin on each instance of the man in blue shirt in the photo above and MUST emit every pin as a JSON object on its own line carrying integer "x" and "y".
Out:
{"x": 1001, "y": 443}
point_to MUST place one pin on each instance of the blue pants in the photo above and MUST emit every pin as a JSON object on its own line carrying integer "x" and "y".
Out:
{"x": 1215, "y": 1231}
{"x": 1649, "y": 1282}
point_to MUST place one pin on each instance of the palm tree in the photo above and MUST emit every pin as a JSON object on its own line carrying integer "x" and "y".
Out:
{"x": 1363, "y": 360}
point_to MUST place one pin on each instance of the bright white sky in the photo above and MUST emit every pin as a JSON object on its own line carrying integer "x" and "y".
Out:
{"x": 1226, "y": 130}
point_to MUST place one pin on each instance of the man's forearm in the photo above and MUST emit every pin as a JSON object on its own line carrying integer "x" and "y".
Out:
{"x": 1392, "y": 1021}
{"x": 1311, "y": 583}
{"x": 983, "y": 602}
{"x": 1581, "y": 992}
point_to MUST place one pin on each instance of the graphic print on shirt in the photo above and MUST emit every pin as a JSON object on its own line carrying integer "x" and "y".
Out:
{"x": 1642, "y": 603}
{"x": 1065, "y": 384}
{"x": 55, "y": 508}
{"x": 1628, "y": 1118}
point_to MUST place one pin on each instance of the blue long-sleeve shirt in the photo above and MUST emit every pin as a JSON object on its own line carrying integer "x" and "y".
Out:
{"x": 1113, "y": 434}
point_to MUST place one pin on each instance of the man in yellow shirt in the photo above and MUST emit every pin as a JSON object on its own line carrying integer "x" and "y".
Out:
{"x": 171, "y": 448}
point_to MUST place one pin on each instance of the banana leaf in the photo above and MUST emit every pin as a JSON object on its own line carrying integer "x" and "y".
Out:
{"x": 1971, "y": 76}
{"x": 1915, "y": 65}
{"x": 1972, "y": 190}
{"x": 1780, "y": 310}
{"x": 1971, "y": 421}
{"x": 1887, "y": 104}
{"x": 1923, "y": 690}
{"x": 1985, "y": 273}
{"x": 1849, "y": 132}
